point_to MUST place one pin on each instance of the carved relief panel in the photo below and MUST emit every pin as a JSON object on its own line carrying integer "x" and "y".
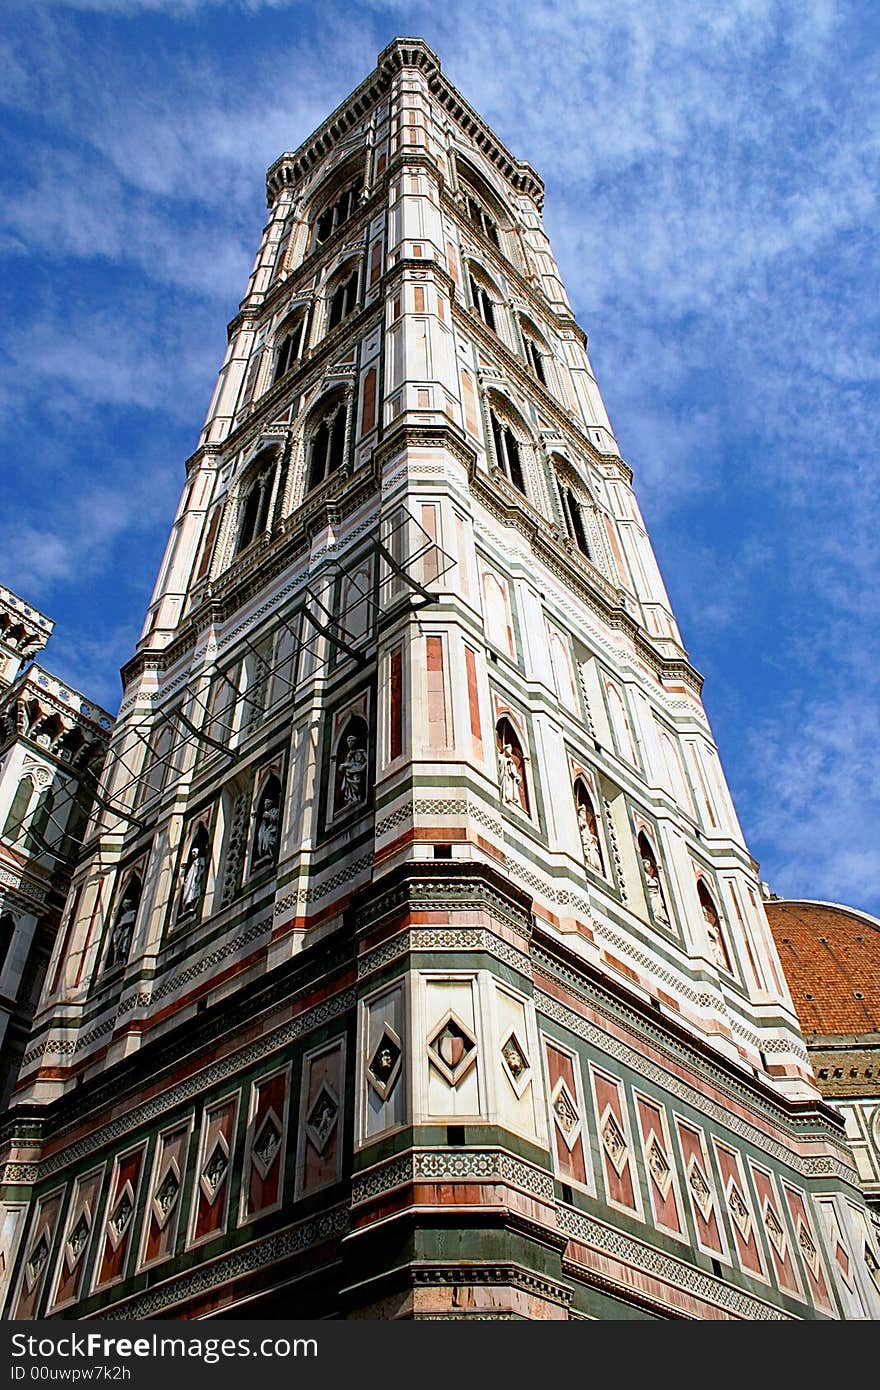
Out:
{"x": 321, "y": 1117}
{"x": 265, "y": 1145}
{"x": 76, "y": 1243}
{"x": 119, "y": 1218}
{"x": 383, "y": 1076}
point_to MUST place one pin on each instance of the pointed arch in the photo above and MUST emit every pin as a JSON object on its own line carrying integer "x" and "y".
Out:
{"x": 588, "y": 828}
{"x": 326, "y": 438}
{"x": 19, "y": 808}
{"x": 256, "y": 490}
{"x": 511, "y": 440}
{"x": 620, "y": 724}
{"x": 290, "y": 341}
{"x": 124, "y": 919}
{"x": 337, "y": 199}
{"x": 267, "y": 823}
{"x": 351, "y": 766}
{"x": 653, "y": 880}
{"x": 341, "y": 293}
{"x": 194, "y": 872}
{"x": 714, "y": 927}
{"x": 536, "y": 350}
{"x": 575, "y": 501}
{"x": 486, "y": 298}
{"x": 512, "y": 780}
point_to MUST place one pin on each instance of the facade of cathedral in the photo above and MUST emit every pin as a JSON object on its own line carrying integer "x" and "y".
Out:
{"x": 415, "y": 965}
{"x": 52, "y": 743}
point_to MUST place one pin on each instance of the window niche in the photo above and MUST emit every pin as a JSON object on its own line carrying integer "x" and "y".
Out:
{"x": 350, "y": 765}
{"x": 653, "y": 882}
{"x": 266, "y": 822}
{"x": 123, "y": 921}
{"x": 193, "y": 874}
{"x": 714, "y": 929}
{"x": 512, "y": 780}
{"x": 588, "y": 828}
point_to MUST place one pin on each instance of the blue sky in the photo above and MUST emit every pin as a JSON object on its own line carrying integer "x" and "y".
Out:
{"x": 712, "y": 176}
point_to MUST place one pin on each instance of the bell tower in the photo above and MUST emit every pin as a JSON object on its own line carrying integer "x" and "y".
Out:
{"x": 415, "y": 964}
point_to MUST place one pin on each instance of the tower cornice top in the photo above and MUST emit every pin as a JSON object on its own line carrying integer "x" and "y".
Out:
{"x": 292, "y": 166}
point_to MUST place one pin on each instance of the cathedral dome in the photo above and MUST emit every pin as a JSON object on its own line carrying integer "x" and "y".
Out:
{"x": 831, "y": 958}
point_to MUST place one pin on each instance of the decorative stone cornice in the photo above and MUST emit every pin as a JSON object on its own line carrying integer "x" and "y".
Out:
{"x": 292, "y": 166}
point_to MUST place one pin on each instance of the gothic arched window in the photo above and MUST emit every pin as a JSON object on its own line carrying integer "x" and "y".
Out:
{"x": 478, "y": 217}
{"x": 588, "y": 827}
{"x": 289, "y": 347}
{"x": 512, "y": 782}
{"x": 714, "y": 929}
{"x": 338, "y": 212}
{"x": 507, "y": 451}
{"x": 40, "y": 819}
{"x": 342, "y": 298}
{"x": 481, "y": 298}
{"x": 535, "y": 350}
{"x": 257, "y": 499}
{"x": 653, "y": 884}
{"x": 326, "y": 448}
{"x": 19, "y": 808}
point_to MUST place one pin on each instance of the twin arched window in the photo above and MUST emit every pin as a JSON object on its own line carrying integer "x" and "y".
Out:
{"x": 257, "y": 499}
{"x": 291, "y": 344}
{"x": 483, "y": 302}
{"x": 327, "y": 445}
{"x": 507, "y": 451}
{"x": 480, "y": 218}
{"x": 339, "y": 211}
{"x": 343, "y": 298}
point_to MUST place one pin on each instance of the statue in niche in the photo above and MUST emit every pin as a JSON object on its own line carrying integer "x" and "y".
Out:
{"x": 193, "y": 878}
{"x": 589, "y": 832}
{"x": 267, "y": 830}
{"x": 713, "y": 931}
{"x": 655, "y": 891}
{"x": 353, "y": 773}
{"x": 123, "y": 928}
{"x": 509, "y": 777}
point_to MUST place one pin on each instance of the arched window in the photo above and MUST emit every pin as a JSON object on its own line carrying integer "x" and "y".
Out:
{"x": 267, "y": 822}
{"x": 327, "y": 444}
{"x": 290, "y": 345}
{"x": 39, "y": 823}
{"x": 343, "y": 298}
{"x": 511, "y": 767}
{"x": 7, "y": 932}
{"x": 653, "y": 884}
{"x": 574, "y": 521}
{"x": 535, "y": 350}
{"x": 588, "y": 827}
{"x": 352, "y": 762}
{"x": 714, "y": 929}
{"x": 483, "y": 302}
{"x": 339, "y": 211}
{"x": 507, "y": 451}
{"x": 19, "y": 808}
{"x": 257, "y": 499}
{"x": 124, "y": 918}
{"x": 478, "y": 217}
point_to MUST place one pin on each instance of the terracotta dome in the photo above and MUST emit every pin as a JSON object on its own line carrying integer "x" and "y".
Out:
{"x": 831, "y": 958}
